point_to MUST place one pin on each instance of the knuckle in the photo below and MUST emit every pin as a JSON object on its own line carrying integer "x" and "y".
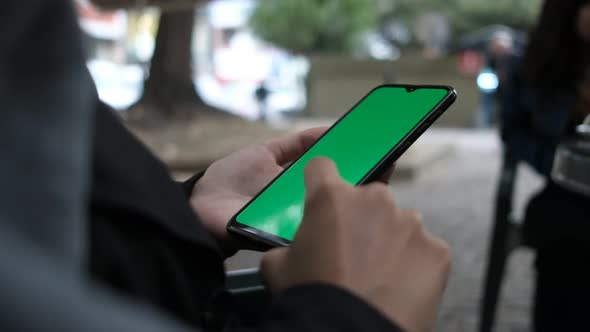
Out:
{"x": 377, "y": 188}
{"x": 415, "y": 216}
{"x": 413, "y": 220}
{"x": 379, "y": 192}
{"x": 442, "y": 248}
{"x": 441, "y": 251}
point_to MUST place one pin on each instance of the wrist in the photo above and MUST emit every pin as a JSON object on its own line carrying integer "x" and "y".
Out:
{"x": 188, "y": 185}
{"x": 202, "y": 207}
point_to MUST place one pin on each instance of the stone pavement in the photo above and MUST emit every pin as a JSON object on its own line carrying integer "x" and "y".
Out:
{"x": 455, "y": 197}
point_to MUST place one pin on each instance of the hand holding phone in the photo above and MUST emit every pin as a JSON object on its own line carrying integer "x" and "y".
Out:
{"x": 366, "y": 140}
{"x": 357, "y": 239}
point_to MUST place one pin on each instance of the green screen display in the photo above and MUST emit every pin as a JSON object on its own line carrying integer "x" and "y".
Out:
{"x": 356, "y": 144}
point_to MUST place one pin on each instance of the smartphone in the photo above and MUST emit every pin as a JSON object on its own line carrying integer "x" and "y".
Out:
{"x": 363, "y": 144}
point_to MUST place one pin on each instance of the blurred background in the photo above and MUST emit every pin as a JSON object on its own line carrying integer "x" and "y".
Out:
{"x": 197, "y": 80}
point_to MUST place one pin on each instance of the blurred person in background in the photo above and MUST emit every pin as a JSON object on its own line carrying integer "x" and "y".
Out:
{"x": 499, "y": 50}
{"x": 546, "y": 95}
{"x": 95, "y": 235}
{"x": 261, "y": 94}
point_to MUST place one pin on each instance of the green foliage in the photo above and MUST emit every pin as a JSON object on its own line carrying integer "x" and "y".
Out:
{"x": 470, "y": 15}
{"x": 307, "y": 26}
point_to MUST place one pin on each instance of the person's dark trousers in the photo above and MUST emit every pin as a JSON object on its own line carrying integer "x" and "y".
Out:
{"x": 562, "y": 292}
{"x": 557, "y": 225}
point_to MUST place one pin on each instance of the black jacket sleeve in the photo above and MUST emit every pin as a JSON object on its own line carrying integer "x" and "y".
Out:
{"x": 323, "y": 308}
{"x": 187, "y": 186}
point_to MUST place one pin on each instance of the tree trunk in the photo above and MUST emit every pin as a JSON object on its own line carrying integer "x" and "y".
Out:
{"x": 169, "y": 92}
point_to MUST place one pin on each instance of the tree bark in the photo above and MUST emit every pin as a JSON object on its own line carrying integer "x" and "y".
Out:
{"x": 169, "y": 92}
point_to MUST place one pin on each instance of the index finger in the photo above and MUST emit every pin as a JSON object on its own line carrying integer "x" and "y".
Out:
{"x": 318, "y": 172}
{"x": 288, "y": 148}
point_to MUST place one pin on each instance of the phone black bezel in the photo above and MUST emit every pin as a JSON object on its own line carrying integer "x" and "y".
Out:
{"x": 266, "y": 240}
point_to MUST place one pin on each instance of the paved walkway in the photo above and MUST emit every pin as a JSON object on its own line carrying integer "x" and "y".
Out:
{"x": 455, "y": 197}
